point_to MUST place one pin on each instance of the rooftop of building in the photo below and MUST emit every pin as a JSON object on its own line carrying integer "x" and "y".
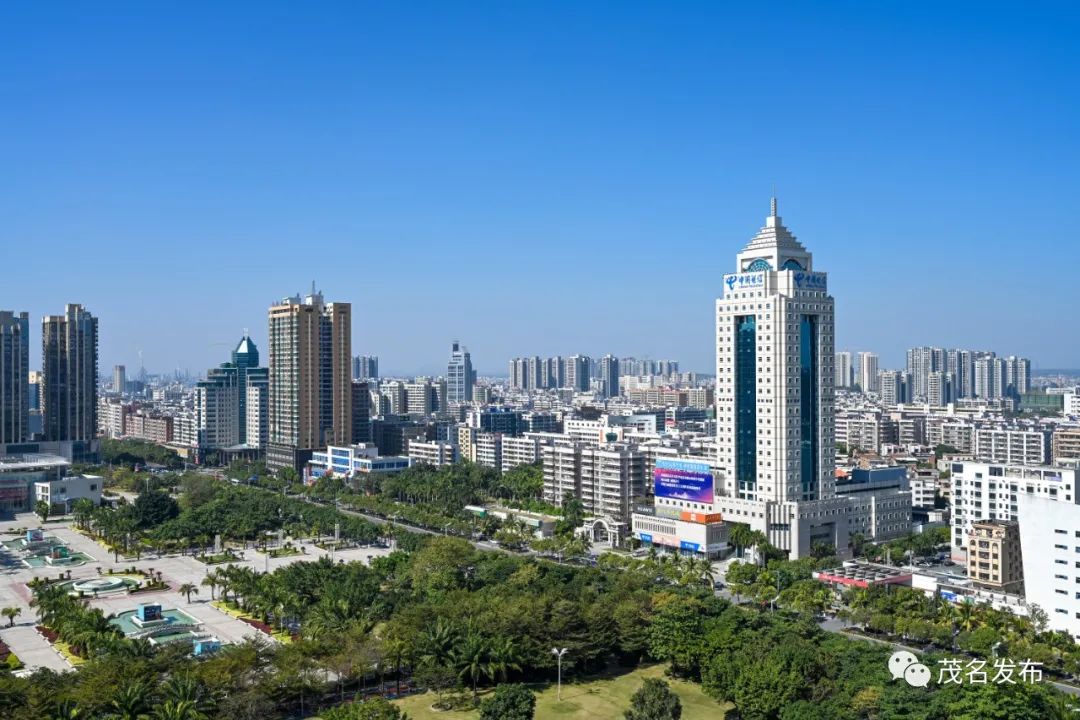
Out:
{"x": 996, "y": 523}
{"x": 30, "y": 461}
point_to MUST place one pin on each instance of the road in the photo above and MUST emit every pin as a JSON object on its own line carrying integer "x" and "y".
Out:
{"x": 479, "y": 544}
{"x": 829, "y": 624}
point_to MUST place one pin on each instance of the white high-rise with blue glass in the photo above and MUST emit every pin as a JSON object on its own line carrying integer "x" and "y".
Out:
{"x": 774, "y": 395}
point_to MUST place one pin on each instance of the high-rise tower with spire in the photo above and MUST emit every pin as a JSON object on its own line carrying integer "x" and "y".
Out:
{"x": 774, "y": 396}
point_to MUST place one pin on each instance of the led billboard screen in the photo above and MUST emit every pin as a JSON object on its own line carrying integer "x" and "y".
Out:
{"x": 683, "y": 480}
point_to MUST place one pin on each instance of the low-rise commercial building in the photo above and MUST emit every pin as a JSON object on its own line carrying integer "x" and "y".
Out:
{"x": 352, "y": 460}
{"x": 879, "y": 502}
{"x": 61, "y": 493}
{"x": 681, "y": 517}
{"x": 19, "y": 474}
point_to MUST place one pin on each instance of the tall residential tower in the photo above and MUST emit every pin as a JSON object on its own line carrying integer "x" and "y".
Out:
{"x": 69, "y": 375}
{"x": 14, "y": 377}
{"x": 310, "y": 393}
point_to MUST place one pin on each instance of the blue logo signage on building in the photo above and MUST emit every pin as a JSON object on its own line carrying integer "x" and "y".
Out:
{"x": 685, "y": 545}
{"x": 810, "y": 281}
{"x": 743, "y": 281}
{"x": 645, "y": 537}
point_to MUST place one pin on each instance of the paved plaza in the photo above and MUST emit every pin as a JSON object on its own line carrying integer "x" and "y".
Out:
{"x": 176, "y": 570}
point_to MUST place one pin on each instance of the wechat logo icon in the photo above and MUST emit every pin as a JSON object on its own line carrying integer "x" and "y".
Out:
{"x": 904, "y": 664}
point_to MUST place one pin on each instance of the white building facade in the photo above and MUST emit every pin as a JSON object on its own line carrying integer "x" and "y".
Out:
{"x": 774, "y": 395}
{"x": 990, "y": 491}
{"x": 1050, "y": 546}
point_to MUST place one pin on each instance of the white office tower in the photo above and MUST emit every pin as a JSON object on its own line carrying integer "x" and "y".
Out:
{"x": 868, "y": 372}
{"x": 460, "y": 376}
{"x": 774, "y": 395}
{"x": 844, "y": 375}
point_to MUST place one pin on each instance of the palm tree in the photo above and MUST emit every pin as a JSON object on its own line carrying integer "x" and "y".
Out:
{"x": 11, "y": 613}
{"x": 504, "y": 657}
{"x": 187, "y": 589}
{"x": 131, "y": 701}
{"x": 739, "y": 537}
{"x": 438, "y": 642}
{"x": 49, "y": 601}
{"x": 329, "y": 618}
{"x": 177, "y": 710}
{"x": 471, "y": 660}
{"x": 81, "y": 511}
{"x": 213, "y": 581}
{"x": 1062, "y": 707}
{"x": 185, "y": 690}
{"x": 967, "y": 617}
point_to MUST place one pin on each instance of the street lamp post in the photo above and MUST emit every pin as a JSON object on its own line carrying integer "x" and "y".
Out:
{"x": 558, "y": 653}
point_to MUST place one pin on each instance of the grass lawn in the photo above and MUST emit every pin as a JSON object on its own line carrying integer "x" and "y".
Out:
{"x": 604, "y": 697}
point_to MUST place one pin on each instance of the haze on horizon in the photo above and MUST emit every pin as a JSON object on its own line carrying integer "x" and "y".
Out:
{"x": 538, "y": 179}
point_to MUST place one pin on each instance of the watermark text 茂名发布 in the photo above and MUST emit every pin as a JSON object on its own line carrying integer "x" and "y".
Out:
{"x": 1002, "y": 671}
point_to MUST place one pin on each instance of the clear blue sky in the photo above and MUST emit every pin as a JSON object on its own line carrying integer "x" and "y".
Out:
{"x": 538, "y": 177}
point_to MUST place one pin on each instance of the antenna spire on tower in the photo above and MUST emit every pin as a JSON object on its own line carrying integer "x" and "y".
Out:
{"x": 772, "y": 205}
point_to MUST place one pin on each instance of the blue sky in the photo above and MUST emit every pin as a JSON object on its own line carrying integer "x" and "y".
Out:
{"x": 538, "y": 177}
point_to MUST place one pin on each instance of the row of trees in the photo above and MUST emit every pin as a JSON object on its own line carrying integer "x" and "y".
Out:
{"x": 209, "y": 508}
{"x": 782, "y": 666}
{"x": 138, "y": 453}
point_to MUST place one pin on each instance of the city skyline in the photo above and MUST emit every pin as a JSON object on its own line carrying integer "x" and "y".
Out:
{"x": 496, "y": 368}
{"x": 922, "y": 167}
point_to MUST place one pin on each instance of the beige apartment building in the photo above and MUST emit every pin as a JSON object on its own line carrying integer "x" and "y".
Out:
{"x": 1066, "y": 444}
{"x": 310, "y": 393}
{"x": 993, "y": 557}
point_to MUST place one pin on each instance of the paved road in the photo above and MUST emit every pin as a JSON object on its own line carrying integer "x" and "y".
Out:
{"x": 479, "y": 544}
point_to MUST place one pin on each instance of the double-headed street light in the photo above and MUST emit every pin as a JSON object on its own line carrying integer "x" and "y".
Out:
{"x": 558, "y": 656}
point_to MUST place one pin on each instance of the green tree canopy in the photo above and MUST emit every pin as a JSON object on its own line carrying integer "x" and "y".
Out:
{"x": 154, "y": 507}
{"x": 654, "y": 700}
{"x": 509, "y": 702}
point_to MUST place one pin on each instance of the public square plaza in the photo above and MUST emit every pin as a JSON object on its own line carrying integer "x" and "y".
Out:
{"x": 93, "y": 562}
